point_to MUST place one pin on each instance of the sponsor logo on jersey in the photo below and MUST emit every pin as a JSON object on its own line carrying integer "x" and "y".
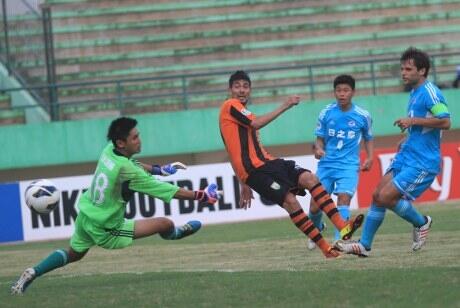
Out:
{"x": 275, "y": 186}
{"x": 245, "y": 112}
{"x": 351, "y": 123}
{"x": 107, "y": 162}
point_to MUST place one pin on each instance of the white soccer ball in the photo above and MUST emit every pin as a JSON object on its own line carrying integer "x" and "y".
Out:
{"x": 42, "y": 196}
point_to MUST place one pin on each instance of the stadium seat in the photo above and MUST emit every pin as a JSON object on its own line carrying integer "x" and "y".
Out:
{"x": 97, "y": 41}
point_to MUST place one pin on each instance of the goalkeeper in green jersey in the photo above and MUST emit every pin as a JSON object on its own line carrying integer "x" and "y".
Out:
{"x": 101, "y": 219}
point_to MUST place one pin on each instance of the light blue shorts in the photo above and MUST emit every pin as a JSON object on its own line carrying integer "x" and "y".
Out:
{"x": 411, "y": 182}
{"x": 338, "y": 181}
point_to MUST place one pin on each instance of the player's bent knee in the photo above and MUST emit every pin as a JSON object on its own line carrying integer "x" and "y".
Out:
{"x": 151, "y": 226}
{"x": 376, "y": 198}
{"x": 75, "y": 256}
{"x": 308, "y": 180}
{"x": 291, "y": 204}
{"x": 344, "y": 199}
{"x": 165, "y": 225}
{"x": 381, "y": 199}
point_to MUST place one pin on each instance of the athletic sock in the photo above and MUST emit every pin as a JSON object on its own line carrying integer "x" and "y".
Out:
{"x": 316, "y": 219}
{"x": 56, "y": 259}
{"x": 374, "y": 219}
{"x": 174, "y": 234}
{"x": 185, "y": 230}
{"x": 325, "y": 203}
{"x": 344, "y": 211}
{"x": 301, "y": 220}
{"x": 407, "y": 211}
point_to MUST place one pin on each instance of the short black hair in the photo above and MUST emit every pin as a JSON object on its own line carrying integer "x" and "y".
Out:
{"x": 119, "y": 129}
{"x": 421, "y": 59}
{"x": 239, "y": 75}
{"x": 344, "y": 79}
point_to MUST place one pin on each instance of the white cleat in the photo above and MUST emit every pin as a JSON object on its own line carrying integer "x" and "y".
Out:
{"x": 312, "y": 245}
{"x": 20, "y": 286}
{"x": 351, "y": 247}
{"x": 420, "y": 234}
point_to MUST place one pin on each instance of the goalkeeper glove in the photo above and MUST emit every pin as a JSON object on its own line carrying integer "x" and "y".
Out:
{"x": 167, "y": 169}
{"x": 208, "y": 195}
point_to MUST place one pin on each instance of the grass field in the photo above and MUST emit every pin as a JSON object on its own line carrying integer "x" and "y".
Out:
{"x": 256, "y": 264}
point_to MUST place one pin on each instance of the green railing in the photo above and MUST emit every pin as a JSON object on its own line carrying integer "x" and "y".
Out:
{"x": 184, "y": 91}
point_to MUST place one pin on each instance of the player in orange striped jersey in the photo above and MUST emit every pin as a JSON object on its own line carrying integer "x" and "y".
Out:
{"x": 273, "y": 178}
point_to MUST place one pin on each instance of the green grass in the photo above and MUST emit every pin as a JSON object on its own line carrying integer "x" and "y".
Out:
{"x": 255, "y": 264}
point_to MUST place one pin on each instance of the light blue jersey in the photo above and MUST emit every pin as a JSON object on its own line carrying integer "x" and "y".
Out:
{"x": 342, "y": 133}
{"x": 421, "y": 148}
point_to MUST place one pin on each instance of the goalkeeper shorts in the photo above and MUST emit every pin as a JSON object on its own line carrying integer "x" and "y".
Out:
{"x": 87, "y": 235}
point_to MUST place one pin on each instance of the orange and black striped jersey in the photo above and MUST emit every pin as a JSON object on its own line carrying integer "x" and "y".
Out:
{"x": 240, "y": 139}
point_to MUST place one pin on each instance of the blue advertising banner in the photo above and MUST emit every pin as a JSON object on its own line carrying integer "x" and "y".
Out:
{"x": 10, "y": 213}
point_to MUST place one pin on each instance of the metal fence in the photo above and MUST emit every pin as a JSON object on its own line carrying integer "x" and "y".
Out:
{"x": 374, "y": 76}
{"x": 18, "y": 17}
{"x": 175, "y": 92}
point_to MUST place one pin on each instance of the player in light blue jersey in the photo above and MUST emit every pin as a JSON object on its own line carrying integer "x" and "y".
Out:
{"x": 341, "y": 127}
{"x": 418, "y": 159}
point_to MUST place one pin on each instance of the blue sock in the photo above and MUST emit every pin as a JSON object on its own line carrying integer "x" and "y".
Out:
{"x": 344, "y": 211}
{"x": 56, "y": 259}
{"x": 174, "y": 235}
{"x": 316, "y": 219}
{"x": 407, "y": 211}
{"x": 374, "y": 219}
{"x": 191, "y": 227}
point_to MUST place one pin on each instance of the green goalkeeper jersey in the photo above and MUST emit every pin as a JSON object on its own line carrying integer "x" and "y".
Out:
{"x": 115, "y": 180}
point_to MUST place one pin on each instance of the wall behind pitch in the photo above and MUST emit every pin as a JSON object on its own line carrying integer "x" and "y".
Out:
{"x": 59, "y": 223}
{"x": 190, "y": 131}
{"x": 18, "y": 223}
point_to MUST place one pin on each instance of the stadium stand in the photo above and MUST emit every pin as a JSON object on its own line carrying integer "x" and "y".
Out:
{"x": 9, "y": 116}
{"x": 4, "y": 101}
{"x": 103, "y": 40}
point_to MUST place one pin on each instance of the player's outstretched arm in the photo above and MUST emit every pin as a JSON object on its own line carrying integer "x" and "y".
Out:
{"x": 263, "y": 120}
{"x": 168, "y": 169}
{"x": 164, "y": 170}
{"x": 209, "y": 194}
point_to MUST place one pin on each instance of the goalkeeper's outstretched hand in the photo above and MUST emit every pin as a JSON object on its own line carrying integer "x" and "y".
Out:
{"x": 167, "y": 169}
{"x": 209, "y": 194}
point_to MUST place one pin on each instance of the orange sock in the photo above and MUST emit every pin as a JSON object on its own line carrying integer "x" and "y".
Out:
{"x": 301, "y": 220}
{"x": 325, "y": 203}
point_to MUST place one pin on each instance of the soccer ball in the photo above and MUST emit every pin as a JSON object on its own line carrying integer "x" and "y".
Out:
{"x": 42, "y": 196}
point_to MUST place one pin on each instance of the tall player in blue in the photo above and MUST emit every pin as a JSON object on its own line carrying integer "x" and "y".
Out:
{"x": 340, "y": 128}
{"x": 418, "y": 159}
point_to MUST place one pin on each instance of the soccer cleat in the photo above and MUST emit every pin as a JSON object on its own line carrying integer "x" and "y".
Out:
{"x": 420, "y": 234}
{"x": 332, "y": 253}
{"x": 26, "y": 278}
{"x": 312, "y": 245}
{"x": 353, "y": 225}
{"x": 189, "y": 228}
{"x": 351, "y": 247}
